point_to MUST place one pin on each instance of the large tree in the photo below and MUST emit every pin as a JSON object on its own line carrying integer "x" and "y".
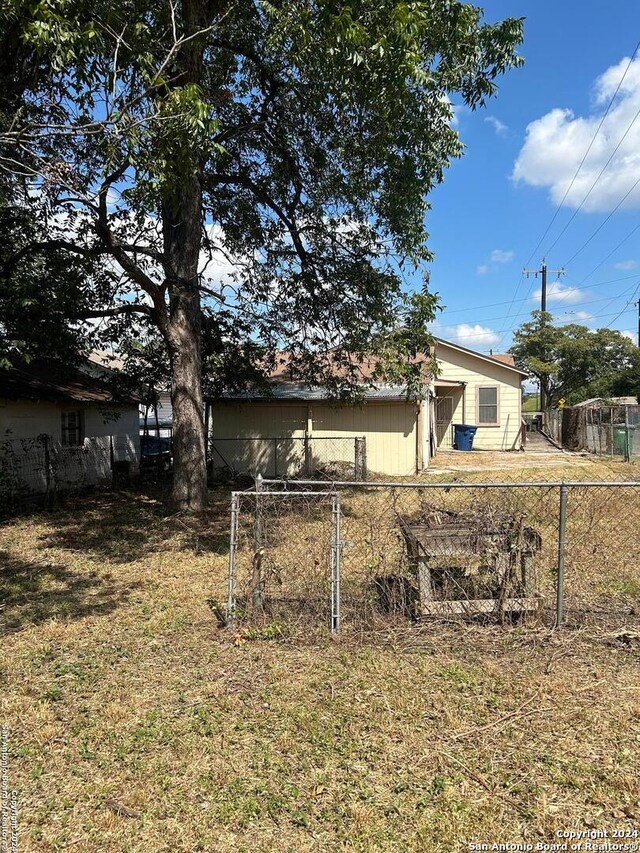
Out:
{"x": 573, "y": 362}
{"x": 290, "y": 144}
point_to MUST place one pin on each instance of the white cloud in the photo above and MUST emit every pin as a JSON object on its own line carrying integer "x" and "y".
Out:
{"x": 455, "y": 110}
{"x": 500, "y": 127}
{"x": 500, "y": 256}
{"x": 633, "y": 336}
{"x": 472, "y": 336}
{"x": 574, "y": 317}
{"x": 497, "y": 256}
{"x": 214, "y": 266}
{"x": 582, "y": 316}
{"x": 627, "y": 265}
{"x": 557, "y": 292}
{"x": 556, "y": 143}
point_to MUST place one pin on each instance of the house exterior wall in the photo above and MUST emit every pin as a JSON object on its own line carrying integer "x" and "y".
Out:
{"x": 245, "y": 433}
{"x": 458, "y": 366}
{"x": 390, "y": 430}
{"x": 27, "y": 419}
{"x": 164, "y": 415}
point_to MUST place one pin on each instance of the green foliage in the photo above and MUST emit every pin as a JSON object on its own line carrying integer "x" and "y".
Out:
{"x": 43, "y": 291}
{"x": 315, "y": 131}
{"x": 531, "y": 403}
{"x": 573, "y": 362}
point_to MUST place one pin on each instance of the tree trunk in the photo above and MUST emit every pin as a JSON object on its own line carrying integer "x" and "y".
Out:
{"x": 181, "y": 223}
{"x": 190, "y": 472}
{"x": 182, "y": 228}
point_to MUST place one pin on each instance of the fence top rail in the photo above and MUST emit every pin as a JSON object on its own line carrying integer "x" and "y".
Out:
{"x": 365, "y": 484}
{"x": 287, "y": 494}
{"x": 311, "y": 437}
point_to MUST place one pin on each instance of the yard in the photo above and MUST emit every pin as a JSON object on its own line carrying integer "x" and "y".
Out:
{"x": 135, "y": 722}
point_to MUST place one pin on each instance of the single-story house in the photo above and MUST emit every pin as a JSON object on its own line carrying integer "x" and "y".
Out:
{"x": 64, "y": 423}
{"x": 296, "y": 427}
{"x": 157, "y": 419}
{"x": 481, "y": 390}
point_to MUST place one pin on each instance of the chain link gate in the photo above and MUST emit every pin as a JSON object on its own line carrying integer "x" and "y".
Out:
{"x": 364, "y": 555}
{"x": 269, "y": 581}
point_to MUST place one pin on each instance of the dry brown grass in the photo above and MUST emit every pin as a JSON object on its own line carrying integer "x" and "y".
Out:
{"x": 137, "y": 724}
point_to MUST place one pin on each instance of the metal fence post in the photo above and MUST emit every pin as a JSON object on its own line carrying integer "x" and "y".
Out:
{"x": 336, "y": 547}
{"x": 562, "y": 525}
{"x": 258, "y": 535}
{"x": 627, "y": 456}
{"x": 233, "y": 542}
{"x": 44, "y": 439}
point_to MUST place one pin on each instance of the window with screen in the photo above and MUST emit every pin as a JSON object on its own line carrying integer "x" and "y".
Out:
{"x": 488, "y": 406}
{"x": 72, "y": 428}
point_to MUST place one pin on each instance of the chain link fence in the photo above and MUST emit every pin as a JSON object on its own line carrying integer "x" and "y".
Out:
{"x": 603, "y": 430}
{"x": 38, "y": 468}
{"x": 326, "y": 458}
{"x": 371, "y": 555}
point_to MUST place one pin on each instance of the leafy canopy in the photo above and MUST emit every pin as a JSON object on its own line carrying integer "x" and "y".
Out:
{"x": 573, "y": 362}
{"x": 315, "y": 131}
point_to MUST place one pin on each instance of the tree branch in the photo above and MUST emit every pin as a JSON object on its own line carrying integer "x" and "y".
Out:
{"x": 118, "y": 252}
{"x": 44, "y": 245}
{"x": 114, "y": 312}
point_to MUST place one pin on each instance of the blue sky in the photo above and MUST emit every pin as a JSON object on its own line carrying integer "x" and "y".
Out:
{"x": 522, "y": 151}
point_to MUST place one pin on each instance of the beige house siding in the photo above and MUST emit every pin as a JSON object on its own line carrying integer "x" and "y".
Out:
{"x": 245, "y": 434}
{"x": 389, "y": 428}
{"x": 457, "y": 366}
{"x": 259, "y": 420}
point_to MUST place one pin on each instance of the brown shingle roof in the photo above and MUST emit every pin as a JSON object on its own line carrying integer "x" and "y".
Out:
{"x": 505, "y": 358}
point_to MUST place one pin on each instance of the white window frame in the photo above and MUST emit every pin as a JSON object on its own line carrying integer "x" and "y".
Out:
{"x": 495, "y": 388}
{"x": 78, "y": 430}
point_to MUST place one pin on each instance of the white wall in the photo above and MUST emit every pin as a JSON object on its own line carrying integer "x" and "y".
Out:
{"x": 458, "y": 366}
{"x": 119, "y": 421}
{"x": 22, "y": 421}
{"x": 26, "y": 419}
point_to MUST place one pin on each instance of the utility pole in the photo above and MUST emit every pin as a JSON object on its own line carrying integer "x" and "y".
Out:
{"x": 638, "y": 304}
{"x": 543, "y": 307}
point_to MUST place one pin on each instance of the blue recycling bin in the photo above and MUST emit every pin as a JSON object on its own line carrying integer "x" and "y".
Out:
{"x": 463, "y": 436}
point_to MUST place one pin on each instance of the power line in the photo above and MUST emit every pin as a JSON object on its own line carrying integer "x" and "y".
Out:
{"x": 582, "y": 286}
{"x": 527, "y": 313}
{"x": 586, "y": 153}
{"x": 592, "y": 187}
{"x": 513, "y": 299}
{"x": 573, "y": 180}
{"x": 626, "y": 307}
{"x": 553, "y": 325}
{"x": 608, "y": 301}
{"x": 510, "y": 302}
{"x": 606, "y": 257}
{"x": 604, "y": 222}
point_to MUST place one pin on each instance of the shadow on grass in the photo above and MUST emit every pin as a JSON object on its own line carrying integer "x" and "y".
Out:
{"x": 32, "y": 593}
{"x": 126, "y": 526}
